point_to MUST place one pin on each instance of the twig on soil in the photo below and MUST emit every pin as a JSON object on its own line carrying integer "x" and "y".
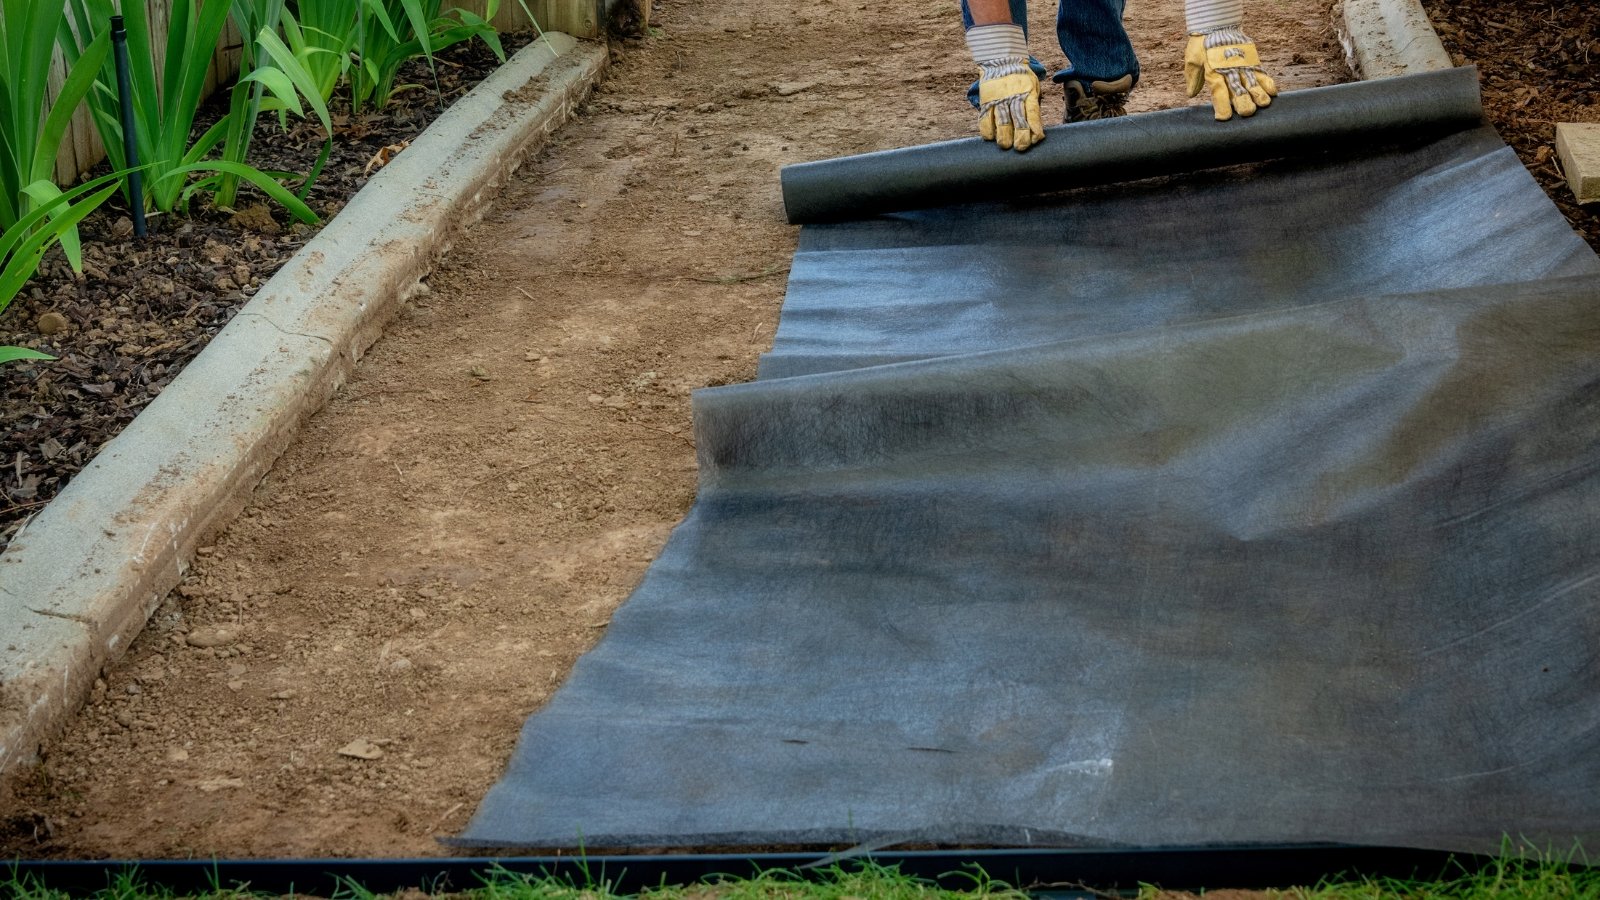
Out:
{"x": 12, "y": 506}
{"x": 440, "y": 821}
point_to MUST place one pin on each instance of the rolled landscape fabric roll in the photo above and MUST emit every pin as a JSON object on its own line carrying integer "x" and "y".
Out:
{"x": 1342, "y": 117}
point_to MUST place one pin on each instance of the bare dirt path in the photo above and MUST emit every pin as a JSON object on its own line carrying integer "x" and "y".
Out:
{"x": 421, "y": 569}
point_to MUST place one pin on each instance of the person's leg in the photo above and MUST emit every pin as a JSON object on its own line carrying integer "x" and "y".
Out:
{"x": 1019, "y": 16}
{"x": 1096, "y": 44}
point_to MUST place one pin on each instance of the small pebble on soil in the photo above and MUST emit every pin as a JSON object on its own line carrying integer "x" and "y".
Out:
{"x": 361, "y": 748}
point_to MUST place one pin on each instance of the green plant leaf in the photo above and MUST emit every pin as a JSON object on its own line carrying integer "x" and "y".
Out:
{"x": 316, "y": 170}
{"x": 324, "y": 56}
{"x": 42, "y": 192}
{"x": 12, "y": 354}
{"x": 280, "y": 87}
{"x": 253, "y": 17}
{"x": 421, "y": 26}
{"x": 30, "y": 248}
{"x": 405, "y": 29}
{"x": 483, "y": 29}
{"x": 244, "y": 106}
{"x": 299, "y": 80}
{"x": 333, "y": 27}
{"x": 206, "y": 142}
{"x": 268, "y": 186}
{"x": 211, "y": 184}
{"x": 377, "y": 8}
{"x": 25, "y": 227}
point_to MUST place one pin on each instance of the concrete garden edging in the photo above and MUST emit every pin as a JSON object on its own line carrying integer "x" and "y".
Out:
{"x": 80, "y": 581}
{"x": 1385, "y": 38}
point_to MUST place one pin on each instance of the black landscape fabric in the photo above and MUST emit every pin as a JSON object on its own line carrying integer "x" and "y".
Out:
{"x": 1255, "y": 505}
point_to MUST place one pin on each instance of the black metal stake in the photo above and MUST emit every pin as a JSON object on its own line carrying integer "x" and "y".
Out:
{"x": 130, "y": 144}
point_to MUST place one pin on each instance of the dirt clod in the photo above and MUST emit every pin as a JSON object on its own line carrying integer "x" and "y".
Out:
{"x": 256, "y": 217}
{"x": 52, "y": 323}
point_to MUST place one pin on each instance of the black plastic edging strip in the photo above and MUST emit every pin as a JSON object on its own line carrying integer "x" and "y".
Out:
{"x": 1174, "y": 869}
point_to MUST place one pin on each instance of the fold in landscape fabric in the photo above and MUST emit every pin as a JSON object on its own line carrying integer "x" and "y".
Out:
{"x": 1456, "y": 212}
{"x": 1084, "y": 521}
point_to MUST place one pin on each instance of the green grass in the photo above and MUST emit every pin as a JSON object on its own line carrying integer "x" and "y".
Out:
{"x": 1510, "y": 878}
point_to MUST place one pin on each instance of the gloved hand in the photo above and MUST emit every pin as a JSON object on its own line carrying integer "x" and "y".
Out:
{"x": 1008, "y": 91}
{"x": 1225, "y": 63}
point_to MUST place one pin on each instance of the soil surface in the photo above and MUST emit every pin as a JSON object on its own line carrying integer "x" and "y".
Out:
{"x": 142, "y": 309}
{"x": 423, "y": 566}
{"x": 1540, "y": 65}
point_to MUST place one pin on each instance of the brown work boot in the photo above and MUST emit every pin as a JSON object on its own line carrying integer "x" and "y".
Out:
{"x": 1097, "y": 99}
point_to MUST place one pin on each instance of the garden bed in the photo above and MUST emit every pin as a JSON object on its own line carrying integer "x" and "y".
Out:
{"x": 142, "y": 309}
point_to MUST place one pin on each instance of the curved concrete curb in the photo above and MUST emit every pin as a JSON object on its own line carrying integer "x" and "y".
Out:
{"x": 81, "y": 580}
{"x": 1385, "y": 38}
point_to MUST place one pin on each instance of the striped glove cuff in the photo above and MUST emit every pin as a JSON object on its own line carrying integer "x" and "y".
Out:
{"x": 1205, "y": 16}
{"x": 1225, "y": 36}
{"x": 994, "y": 45}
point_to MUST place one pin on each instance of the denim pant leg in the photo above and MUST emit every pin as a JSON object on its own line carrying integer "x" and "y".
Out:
{"x": 1096, "y": 44}
{"x": 1019, "y": 16}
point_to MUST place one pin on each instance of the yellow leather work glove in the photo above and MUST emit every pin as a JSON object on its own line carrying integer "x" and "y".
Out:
{"x": 1008, "y": 109}
{"x": 1225, "y": 63}
{"x": 1008, "y": 90}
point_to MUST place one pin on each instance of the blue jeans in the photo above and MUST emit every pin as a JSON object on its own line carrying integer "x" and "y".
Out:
{"x": 1091, "y": 35}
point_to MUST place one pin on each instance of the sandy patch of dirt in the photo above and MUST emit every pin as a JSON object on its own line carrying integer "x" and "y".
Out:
{"x": 423, "y": 566}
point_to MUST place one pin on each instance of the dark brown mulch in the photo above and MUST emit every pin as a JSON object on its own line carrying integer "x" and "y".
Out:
{"x": 1540, "y": 64}
{"x": 143, "y": 309}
